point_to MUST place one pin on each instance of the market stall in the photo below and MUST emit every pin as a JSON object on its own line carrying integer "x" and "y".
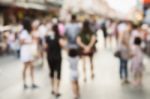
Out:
{"x": 107, "y": 8}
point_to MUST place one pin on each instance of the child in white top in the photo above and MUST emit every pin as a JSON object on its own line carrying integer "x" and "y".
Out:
{"x": 137, "y": 62}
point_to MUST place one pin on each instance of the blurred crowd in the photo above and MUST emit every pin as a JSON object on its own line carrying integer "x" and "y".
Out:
{"x": 111, "y": 28}
{"x": 32, "y": 38}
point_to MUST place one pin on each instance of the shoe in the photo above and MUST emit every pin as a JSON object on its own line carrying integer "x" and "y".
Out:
{"x": 25, "y": 87}
{"x": 58, "y": 95}
{"x": 126, "y": 82}
{"x": 92, "y": 76}
{"x": 34, "y": 86}
{"x": 53, "y": 93}
{"x": 77, "y": 97}
{"x": 85, "y": 80}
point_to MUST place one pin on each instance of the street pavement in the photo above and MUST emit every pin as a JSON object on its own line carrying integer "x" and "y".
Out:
{"x": 106, "y": 84}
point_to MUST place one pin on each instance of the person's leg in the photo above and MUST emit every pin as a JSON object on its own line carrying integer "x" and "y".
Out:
{"x": 105, "y": 42}
{"x": 75, "y": 88}
{"x": 110, "y": 40}
{"x": 126, "y": 70}
{"x": 92, "y": 67}
{"x": 139, "y": 78}
{"x": 57, "y": 87}
{"x": 135, "y": 82}
{"x": 42, "y": 57}
{"x": 105, "y": 39}
{"x": 24, "y": 74}
{"x": 121, "y": 69}
{"x": 18, "y": 53}
{"x": 51, "y": 74}
{"x": 52, "y": 79}
{"x": 58, "y": 77}
{"x": 84, "y": 68}
{"x": 74, "y": 75}
{"x": 32, "y": 72}
{"x": 78, "y": 89}
{"x": 32, "y": 75}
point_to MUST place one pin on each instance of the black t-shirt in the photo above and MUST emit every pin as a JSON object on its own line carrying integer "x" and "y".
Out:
{"x": 54, "y": 48}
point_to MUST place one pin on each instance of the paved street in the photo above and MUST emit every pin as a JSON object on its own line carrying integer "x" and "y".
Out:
{"x": 106, "y": 84}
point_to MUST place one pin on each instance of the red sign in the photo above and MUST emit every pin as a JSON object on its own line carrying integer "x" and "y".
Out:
{"x": 147, "y": 1}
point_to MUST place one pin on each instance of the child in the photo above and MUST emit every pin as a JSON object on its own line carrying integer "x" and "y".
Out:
{"x": 73, "y": 59}
{"x": 137, "y": 62}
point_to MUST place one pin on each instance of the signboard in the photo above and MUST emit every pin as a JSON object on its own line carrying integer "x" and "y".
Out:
{"x": 146, "y": 1}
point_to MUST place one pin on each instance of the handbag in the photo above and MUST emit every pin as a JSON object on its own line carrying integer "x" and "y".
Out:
{"x": 38, "y": 62}
{"x": 117, "y": 54}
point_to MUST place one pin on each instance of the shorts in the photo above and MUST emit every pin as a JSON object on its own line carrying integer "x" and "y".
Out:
{"x": 74, "y": 67}
{"x": 74, "y": 75}
{"x": 55, "y": 66}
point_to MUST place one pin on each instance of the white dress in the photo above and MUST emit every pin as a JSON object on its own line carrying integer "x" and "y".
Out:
{"x": 137, "y": 61}
{"x": 26, "y": 49}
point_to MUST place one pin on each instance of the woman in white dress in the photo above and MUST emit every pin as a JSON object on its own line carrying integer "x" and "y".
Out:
{"x": 26, "y": 53}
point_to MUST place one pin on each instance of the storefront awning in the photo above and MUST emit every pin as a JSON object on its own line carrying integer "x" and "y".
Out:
{"x": 31, "y": 5}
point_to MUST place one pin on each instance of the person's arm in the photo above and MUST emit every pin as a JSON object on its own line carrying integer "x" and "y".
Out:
{"x": 63, "y": 42}
{"x": 22, "y": 38}
{"x": 132, "y": 52}
{"x": 79, "y": 42}
{"x": 92, "y": 42}
{"x": 46, "y": 43}
{"x": 23, "y": 41}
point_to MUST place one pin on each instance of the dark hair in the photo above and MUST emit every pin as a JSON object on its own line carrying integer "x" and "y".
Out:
{"x": 73, "y": 17}
{"x": 56, "y": 30}
{"x": 86, "y": 27}
{"x": 137, "y": 41}
{"x": 27, "y": 24}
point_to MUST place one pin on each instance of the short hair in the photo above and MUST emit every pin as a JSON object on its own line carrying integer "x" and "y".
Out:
{"x": 137, "y": 41}
{"x": 74, "y": 17}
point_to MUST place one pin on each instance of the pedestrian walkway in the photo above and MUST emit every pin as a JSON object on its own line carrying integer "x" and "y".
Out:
{"x": 106, "y": 84}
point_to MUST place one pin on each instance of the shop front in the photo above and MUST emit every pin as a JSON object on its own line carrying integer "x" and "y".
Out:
{"x": 14, "y": 12}
{"x": 146, "y": 4}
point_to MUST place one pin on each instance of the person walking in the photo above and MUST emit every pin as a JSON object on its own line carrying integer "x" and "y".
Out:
{"x": 105, "y": 34}
{"x": 53, "y": 44}
{"x": 26, "y": 53}
{"x": 72, "y": 30}
{"x": 124, "y": 50}
{"x": 86, "y": 40}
